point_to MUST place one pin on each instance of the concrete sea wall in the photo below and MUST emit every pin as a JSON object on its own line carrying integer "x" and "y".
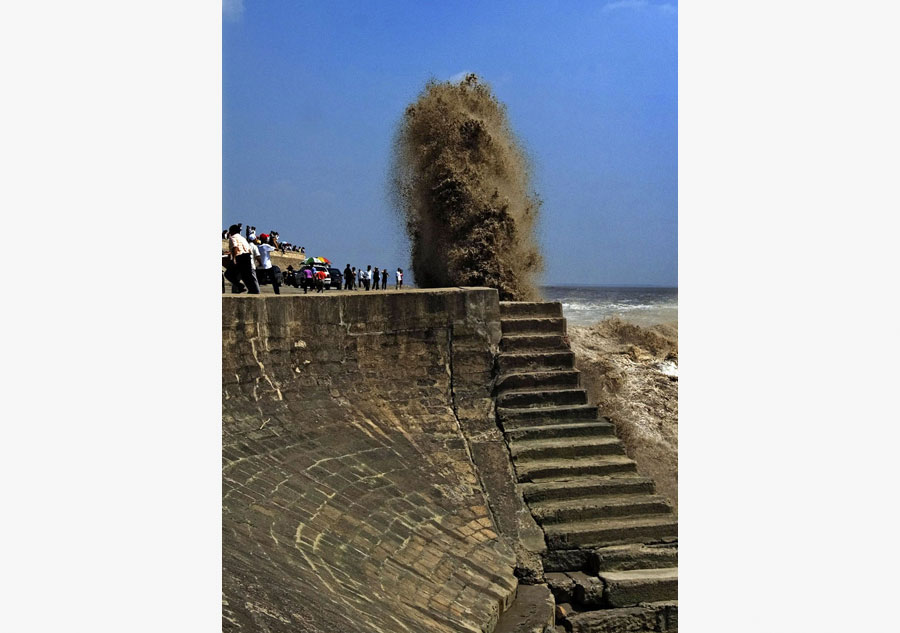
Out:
{"x": 363, "y": 470}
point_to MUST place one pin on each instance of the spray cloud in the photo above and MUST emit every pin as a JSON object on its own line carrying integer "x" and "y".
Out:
{"x": 462, "y": 184}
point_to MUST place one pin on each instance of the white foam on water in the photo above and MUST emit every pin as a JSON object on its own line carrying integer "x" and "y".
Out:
{"x": 668, "y": 368}
{"x": 585, "y": 306}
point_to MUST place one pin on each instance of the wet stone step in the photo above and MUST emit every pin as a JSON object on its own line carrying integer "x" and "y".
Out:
{"x": 576, "y": 588}
{"x": 542, "y": 397}
{"x": 661, "y": 617}
{"x": 555, "y": 448}
{"x": 538, "y": 379}
{"x": 579, "y": 412}
{"x": 547, "y": 431}
{"x": 629, "y": 557}
{"x": 535, "y": 361}
{"x": 520, "y": 423}
{"x": 580, "y": 487}
{"x": 544, "y": 469}
{"x": 533, "y": 342}
{"x": 609, "y": 506}
{"x": 600, "y": 532}
{"x": 541, "y": 325}
{"x": 530, "y": 309}
{"x": 629, "y": 588}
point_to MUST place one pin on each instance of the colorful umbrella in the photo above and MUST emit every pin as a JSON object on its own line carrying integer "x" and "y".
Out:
{"x": 317, "y": 260}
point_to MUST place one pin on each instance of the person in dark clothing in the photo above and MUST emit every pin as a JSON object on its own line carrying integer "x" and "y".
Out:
{"x": 384, "y": 278}
{"x": 232, "y": 274}
{"x": 376, "y": 278}
{"x": 290, "y": 278}
{"x": 348, "y": 278}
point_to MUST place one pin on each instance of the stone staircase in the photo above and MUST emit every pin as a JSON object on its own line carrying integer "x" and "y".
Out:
{"x": 612, "y": 558}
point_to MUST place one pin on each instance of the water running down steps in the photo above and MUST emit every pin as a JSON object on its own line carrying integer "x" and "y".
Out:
{"x": 611, "y": 561}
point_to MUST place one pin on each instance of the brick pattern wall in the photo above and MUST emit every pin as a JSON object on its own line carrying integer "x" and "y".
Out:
{"x": 349, "y": 499}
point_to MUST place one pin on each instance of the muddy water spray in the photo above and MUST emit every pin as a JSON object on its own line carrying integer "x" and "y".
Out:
{"x": 462, "y": 183}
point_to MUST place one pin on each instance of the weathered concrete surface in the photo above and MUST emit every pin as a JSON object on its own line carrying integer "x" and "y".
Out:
{"x": 532, "y": 612}
{"x": 358, "y": 443}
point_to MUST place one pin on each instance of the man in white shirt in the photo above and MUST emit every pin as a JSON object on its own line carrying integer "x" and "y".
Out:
{"x": 242, "y": 256}
{"x": 272, "y": 271}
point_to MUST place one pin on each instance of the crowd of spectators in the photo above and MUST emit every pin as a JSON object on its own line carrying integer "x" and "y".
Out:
{"x": 370, "y": 279}
{"x": 251, "y": 237}
{"x": 248, "y": 263}
{"x": 240, "y": 263}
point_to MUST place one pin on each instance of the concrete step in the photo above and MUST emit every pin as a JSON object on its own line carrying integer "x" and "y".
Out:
{"x": 542, "y": 397}
{"x": 536, "y": 361}
{"x": 532, "y": 342}
{"x": 659, "y": 617}
{"x": 547, "y": 431}
{"x": 543, "y": 469}
{"x": 520, "y": 423}
{"x": 537, "y": 379}
{"x": 581, "y": 487}
{"x": 560, "y": 413}
{"x": 629, "y": 588}
{"x": 601, "y": 532}
{"x": 530, "y": 309}
{"x": 532, "y": 610}
{"x": 622, "y": 557}
{"x": 560, "y": 448}
{"x": 629, "y": 557}
{"x": 541, "y": 325}
{"x": 600, "y": 507}
{"x": 577, "y": 589}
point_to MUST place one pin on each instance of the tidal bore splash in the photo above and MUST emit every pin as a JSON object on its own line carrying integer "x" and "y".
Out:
{"x": 462, "y": 184}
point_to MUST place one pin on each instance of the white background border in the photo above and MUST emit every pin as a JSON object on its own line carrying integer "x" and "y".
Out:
{"x": 111, "y": 199}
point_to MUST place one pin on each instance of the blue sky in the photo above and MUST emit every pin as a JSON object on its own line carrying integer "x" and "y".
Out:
{"x": 313, "y": 92}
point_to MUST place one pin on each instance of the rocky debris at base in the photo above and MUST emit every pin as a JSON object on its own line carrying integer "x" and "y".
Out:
{"x": 631, "y": 372}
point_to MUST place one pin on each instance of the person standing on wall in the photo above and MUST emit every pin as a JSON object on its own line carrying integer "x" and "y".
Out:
{"x": 307, "y": 279}
{"x": 348, "y": 278}
{"x": 399, "y": 278}
{"x": 232, "y": 273}
{"x": 384, "y": 277}
{"x": 254, "y": 258}
{"x": 368, "y": 277}
{"x": 376, "y": 277}
{"x": 242, "y": 256}
{"x": 272, "y": 271}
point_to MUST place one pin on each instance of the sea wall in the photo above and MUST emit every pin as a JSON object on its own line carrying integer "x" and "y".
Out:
{"x": 365, "y": 482}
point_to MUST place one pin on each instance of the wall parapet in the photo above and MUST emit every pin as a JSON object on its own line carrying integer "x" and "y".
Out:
{"x": 362, "y": 486}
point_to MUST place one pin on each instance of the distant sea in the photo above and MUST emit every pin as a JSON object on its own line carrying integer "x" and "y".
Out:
{"x": 644, "y": 306}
